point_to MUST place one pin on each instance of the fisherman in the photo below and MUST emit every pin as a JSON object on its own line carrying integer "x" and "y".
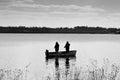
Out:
{"x": 56, "y": 47}
{"x": 67, "y": 46}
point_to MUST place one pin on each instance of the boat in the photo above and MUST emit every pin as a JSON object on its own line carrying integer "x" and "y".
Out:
{"x": 65, "y": 54}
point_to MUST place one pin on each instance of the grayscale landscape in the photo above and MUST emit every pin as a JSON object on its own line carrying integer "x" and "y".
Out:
{"x": 59, "y": 39}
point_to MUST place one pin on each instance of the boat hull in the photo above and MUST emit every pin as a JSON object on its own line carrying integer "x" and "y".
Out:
{"x": 61, "y": 54}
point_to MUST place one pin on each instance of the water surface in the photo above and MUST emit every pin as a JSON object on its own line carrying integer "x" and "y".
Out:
{"x": 20, "y": 50}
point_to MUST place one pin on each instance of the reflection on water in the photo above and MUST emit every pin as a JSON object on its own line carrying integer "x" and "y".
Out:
{"x": 58, "y": 70}
{"x": 67, "y": 63}
{"x": 56, "y": 63}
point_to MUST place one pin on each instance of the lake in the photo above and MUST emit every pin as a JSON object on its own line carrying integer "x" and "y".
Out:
{"x": 27, "y": 52}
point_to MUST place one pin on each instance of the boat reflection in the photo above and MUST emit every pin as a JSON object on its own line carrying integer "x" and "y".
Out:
{"x": 62, "y": 66}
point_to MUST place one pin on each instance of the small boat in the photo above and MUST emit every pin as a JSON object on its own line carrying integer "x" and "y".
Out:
{"x": 65, "y": 54}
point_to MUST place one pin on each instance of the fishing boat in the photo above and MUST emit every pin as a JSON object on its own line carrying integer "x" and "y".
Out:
{"x": 71, "y": 53}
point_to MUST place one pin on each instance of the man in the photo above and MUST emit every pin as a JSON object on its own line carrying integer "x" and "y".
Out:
{"x": 56, "y": 47}
{"x": 67, "y": 46}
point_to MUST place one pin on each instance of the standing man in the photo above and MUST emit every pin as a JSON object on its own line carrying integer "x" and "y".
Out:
{"x": 67, "y": 46}
{"x": 56, "y": 47}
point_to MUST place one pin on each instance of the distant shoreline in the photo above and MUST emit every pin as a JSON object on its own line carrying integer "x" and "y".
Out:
{"x": 61, "y": 30}
{"x": 54, "y": 33}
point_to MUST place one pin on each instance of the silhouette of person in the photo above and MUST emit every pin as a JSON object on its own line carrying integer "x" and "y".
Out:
{"x": 56, "y": 47}
{"x": 67, "y": 46}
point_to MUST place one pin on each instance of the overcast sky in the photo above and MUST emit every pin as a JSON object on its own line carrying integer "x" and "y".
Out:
{"x": 57, "y": 13}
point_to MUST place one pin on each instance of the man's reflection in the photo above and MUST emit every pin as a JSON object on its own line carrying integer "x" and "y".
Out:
{"x": 67, "y": 65}
{"x": 56, "y": 63}
{"x": 57, "y": 72}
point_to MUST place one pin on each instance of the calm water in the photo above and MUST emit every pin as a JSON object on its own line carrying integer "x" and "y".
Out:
{"x": 21, "y": 50}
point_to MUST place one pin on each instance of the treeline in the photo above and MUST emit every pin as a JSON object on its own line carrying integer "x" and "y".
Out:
{"x": 76, "y": 29}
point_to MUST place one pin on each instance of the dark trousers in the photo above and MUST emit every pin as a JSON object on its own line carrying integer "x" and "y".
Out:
{"x": 67, "y": 49}
{"x": 56, "y": 49}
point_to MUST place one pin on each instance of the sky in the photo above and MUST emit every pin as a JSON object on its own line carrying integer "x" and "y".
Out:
{"x": 60, "y": 13}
